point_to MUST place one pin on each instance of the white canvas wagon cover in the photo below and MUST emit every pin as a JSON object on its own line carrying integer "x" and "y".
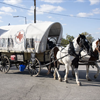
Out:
{"x": 37, "y": 31}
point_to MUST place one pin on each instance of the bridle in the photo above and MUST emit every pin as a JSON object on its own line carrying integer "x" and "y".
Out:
{"x": 83, "y": 43}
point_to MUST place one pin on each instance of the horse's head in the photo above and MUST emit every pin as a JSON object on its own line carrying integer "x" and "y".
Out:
{"x": 83, "y": 42}
{"x": 98, "y": 45}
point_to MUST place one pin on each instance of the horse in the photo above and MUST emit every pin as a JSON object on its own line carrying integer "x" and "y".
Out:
{"x": 91, "y": 60}
{"x": 69, "y": 54}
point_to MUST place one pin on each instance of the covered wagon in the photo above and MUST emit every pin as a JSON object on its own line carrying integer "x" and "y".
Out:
{"x": 28, "y": 45}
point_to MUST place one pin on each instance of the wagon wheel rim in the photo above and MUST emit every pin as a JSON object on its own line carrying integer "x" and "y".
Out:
{"x": 34, "y": 67}
{"x": 5, "y": 64}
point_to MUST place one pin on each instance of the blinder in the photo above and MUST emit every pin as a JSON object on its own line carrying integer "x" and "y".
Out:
{"x": 71, "y": 50}
{"x": 84, "y": 43}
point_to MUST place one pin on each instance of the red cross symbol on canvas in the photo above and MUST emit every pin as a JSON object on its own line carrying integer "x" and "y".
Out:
{"x": 20, "y": 36}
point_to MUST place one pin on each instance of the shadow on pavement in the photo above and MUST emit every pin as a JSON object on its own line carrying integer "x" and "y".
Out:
{"x": 82, "y": 76}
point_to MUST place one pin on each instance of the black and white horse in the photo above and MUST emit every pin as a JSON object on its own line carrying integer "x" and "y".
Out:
{"x": 68, "y": 55}
{"x": 91, "y": 60}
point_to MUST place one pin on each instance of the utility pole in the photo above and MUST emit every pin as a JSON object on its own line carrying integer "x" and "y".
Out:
{"x": 34, "y": 11}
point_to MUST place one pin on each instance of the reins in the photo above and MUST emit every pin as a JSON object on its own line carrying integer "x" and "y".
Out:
{"x": 54, "y": 61}
{"x": 65, "y": 56}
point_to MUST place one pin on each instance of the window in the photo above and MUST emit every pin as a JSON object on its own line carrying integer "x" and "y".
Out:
{"x": 3, "y": 42}
{"x": 10, "y": 42}
{"x": 30, "y": 43}
{"x": 0, "y": 42}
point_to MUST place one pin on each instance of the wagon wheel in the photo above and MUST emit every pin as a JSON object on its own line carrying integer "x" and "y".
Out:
{"x": 34, "y": 67}
{"x": 5, "y": 64}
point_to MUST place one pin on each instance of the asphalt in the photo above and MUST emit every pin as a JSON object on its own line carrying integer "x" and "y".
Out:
{"x": 18, "y": 85}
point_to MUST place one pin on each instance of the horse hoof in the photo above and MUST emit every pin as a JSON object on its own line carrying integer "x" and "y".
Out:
{"x": 79, "y": 84}
{"x": 66, "y": 81}
{"x": 55, "y": 78}
{"x": 60, "y": 79}
{"x": 95, "y": 76}
{"x": 88, "y": 79}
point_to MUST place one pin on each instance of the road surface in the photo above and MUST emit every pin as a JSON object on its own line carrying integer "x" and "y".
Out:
{"x": 18, "y": 85}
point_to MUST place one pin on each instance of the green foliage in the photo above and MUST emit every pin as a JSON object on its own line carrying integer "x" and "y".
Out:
{"x": 88, "y": 36}
{"x": 67, "y": 40}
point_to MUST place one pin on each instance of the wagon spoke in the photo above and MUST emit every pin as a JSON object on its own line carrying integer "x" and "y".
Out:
{"x": 35, "y": 71}
{"x": 3, "y": 69}
{"x": 6, "y": 61}
{"x": 34, "y": 67}
{"x": 6, "y": 67}
{"x": 36, "y": 64}
{"x": 32, "y": 72}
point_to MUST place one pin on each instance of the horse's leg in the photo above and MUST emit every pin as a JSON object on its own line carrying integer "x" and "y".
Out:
{"x": 76, "y": 75}
{"x": 56, "y": 71}
{"x": 67, "y": 71}
{"x": 55, "y": 77}
{"x": 98, "y": 70}
{"x": 59, "y": 77}
{"x": 49, "y": 69}
{"x": 76, "y": 64}
{"x": 87, "y": 73}
{"x": 73, "y": 73}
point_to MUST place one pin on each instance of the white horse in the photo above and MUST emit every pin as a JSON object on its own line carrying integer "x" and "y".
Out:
{"x": 67, "y": 55}
{"x": 91, "y": 60}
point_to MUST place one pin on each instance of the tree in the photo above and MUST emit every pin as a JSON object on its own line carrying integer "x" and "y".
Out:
{"x": 67, "y": 40}
{"x": 88, "y": 36}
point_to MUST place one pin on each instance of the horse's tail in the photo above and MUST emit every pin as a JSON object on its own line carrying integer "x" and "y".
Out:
{"x": 53, "y": 52}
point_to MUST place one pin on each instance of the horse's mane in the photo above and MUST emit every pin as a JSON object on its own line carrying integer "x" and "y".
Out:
{"x": 75, "y": 39}
{"x": 94, "y": 45}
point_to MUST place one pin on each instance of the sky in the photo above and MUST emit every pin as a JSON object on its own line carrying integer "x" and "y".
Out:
{"x": 76, "y": 16}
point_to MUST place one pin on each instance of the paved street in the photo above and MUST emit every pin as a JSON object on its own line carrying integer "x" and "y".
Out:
{"x": 18, "y": 85}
